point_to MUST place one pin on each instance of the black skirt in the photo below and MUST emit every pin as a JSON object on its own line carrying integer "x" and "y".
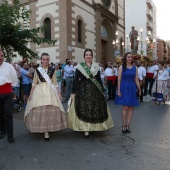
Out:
{"x": 90, "y": 104}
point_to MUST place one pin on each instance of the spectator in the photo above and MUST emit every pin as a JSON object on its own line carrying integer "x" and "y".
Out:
{"x": 111, "y": 80}
{"x": 26, "y": 81}
{"x": 69, "y": 73}
{"x": 58, "y": 76}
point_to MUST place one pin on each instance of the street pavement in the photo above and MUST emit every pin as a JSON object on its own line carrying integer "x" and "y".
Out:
{"x": 147, "y": 147}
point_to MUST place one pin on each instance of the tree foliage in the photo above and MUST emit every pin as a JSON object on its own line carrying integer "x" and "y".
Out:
{"x": 15, "y": 33}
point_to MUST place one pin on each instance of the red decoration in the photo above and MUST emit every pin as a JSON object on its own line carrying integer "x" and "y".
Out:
{"x": 136, "y": 57}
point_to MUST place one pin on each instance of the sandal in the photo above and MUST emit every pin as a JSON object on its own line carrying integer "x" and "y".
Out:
{"x": 123, "y": 129}
{"x": 127, "y": 129}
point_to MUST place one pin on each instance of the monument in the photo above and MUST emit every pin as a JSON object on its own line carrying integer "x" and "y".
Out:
{"x": 133, "y": 35}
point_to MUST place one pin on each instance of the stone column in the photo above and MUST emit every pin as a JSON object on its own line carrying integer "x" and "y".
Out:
{"x": 63, "y": 55}
{"x": 98, "y": 35}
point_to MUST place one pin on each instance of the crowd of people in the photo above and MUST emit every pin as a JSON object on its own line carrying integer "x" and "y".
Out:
{"x": 85, "y": 86}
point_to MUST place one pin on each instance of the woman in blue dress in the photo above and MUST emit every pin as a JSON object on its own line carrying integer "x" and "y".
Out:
{"x": 128, "y": 84}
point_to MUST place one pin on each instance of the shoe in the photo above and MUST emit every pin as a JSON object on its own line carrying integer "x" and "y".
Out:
{"x": 47, "y": 139}
{"x": 127, "y": 129}
{"x": 123, "y": 129}
{"x": 2, "y": 135}
{"x": 10, "y": 139}
{"x": 86, "y": 134}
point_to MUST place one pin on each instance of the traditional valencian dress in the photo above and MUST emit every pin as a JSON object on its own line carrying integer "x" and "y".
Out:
{"x": 44, "y": 112}
{"x": 89, "y": 110}
{"x": 160, "y": 90}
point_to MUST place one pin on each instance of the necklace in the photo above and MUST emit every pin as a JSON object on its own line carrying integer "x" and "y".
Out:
{"x": 45, "y": 69}
{"x": 89, "y": 65}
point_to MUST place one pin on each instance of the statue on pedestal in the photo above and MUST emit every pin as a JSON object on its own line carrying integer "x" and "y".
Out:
{"x": 133, "y": 35}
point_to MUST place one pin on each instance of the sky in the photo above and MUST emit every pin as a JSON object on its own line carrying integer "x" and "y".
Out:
{"x": 163, "y": 18}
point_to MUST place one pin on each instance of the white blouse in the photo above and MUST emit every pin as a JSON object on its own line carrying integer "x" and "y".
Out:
{"x": 8, "y": 74}
{"x": 162, "y": 75}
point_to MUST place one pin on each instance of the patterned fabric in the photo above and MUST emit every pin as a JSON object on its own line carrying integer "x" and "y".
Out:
{"x": 160, "y": 90}
{"x": 50, "y": 73}
{"x": 77, "y": 125}
{"x": 90, "y": 104}
{"x": 43, "y": 119}
{"x": 44, "y": 112}
{"x": 38, "y": 78}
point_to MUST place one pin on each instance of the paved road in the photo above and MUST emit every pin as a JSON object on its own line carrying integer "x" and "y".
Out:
{"x": 146, "y": 148}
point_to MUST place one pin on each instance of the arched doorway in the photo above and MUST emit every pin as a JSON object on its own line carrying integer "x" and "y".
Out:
{"x": 107, "y": 48}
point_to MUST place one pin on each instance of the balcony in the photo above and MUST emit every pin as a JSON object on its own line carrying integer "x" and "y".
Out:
{"x": 149, "y": 14}
{"x": 149, "y": 3}
{"x": 149, "y": 25}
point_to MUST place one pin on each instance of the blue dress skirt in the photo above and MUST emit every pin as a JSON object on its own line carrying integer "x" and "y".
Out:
{"x": 128, "y": 89}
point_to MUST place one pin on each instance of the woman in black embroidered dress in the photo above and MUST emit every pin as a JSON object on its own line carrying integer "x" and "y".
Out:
{"x": 44, "y": 112}
{"x": 88, "y": 110}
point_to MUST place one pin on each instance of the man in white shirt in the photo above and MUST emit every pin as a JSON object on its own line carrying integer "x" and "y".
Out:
{"x": 8, "y": 79}
{"x": 141, "y": 76}
{"x": 111, "y": 74}
{"x": 150, "y": 70}
{"x": 69, "y": 73}
{"x": 155, "y": 63}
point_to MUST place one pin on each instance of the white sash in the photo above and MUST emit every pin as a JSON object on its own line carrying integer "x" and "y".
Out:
{"x": 49, "y": 82}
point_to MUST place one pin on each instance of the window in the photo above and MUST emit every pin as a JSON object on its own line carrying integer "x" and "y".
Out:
{"x": 79, "y": 30}
{"x": 47, "y": 33}
{"x": 106, "y": 3}
{"x": 103, "y": 32}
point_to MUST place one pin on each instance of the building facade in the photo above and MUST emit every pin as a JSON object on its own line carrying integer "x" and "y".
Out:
{"x": 77, "y": 25}
{"x": 142, "y": 15}
{"x": 163, "y": 51}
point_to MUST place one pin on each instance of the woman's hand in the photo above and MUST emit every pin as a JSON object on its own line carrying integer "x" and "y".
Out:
{"x": 60, "y": 97}
{"x": 29, "y": 98}
{"x": 72, "y": 96}
{"x": 140, "y": 92}
{"x": 119, "y": 93}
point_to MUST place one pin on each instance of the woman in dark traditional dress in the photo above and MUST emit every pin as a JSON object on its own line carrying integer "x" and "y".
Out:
{"x": 44, "y": 112}
{"x": 88, "y": 110}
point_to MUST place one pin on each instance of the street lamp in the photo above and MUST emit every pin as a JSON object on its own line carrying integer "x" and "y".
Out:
{"x": 151, "y": 43}
{"x": 116, "y": 41}
{"x": 118, "y": 47}
{"x": 141, "y": 33}
{"x": 127, "y": 43}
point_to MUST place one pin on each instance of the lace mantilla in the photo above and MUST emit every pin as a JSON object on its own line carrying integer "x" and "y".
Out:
{"x": 94, "y": 69}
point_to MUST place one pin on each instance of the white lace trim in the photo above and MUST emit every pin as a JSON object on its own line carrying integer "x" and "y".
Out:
{"x": 94, "y": 69}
